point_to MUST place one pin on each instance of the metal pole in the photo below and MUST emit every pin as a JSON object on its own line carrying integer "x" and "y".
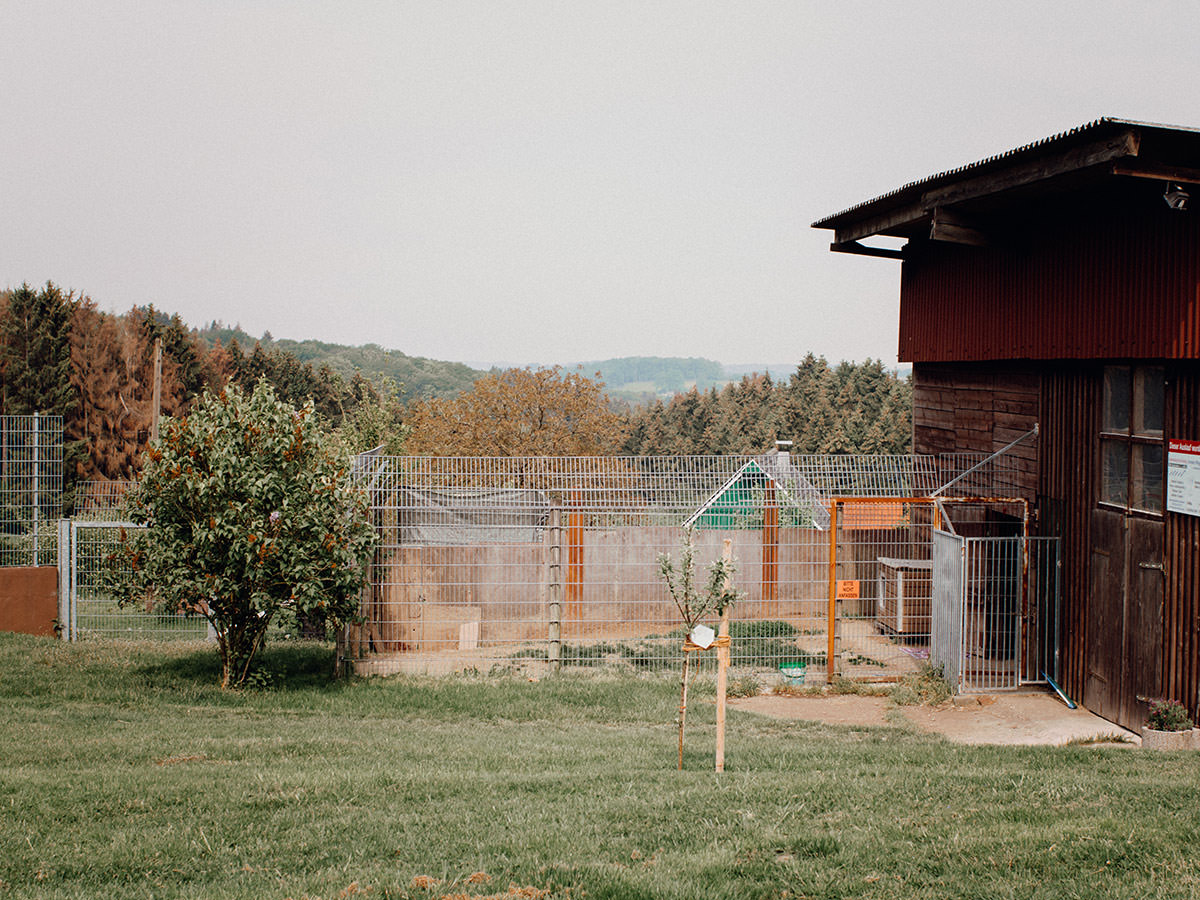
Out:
{"x": 831, "y": 625}
{"x": 554, "y": 651}
{"x": 156, "y": 410}
{"x": 36, "y": 499}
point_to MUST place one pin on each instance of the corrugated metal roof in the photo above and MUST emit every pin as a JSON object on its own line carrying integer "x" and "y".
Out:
{"x": 1000, "y": 159}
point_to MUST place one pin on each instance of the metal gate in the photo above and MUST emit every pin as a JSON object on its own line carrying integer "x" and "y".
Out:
{"x": 995, "y": 610}
{"x": 86, "y": 610}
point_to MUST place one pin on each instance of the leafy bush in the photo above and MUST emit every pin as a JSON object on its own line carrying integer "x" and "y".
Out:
{"x": 249, "y": 519}
{"x": 1168, "y": 715}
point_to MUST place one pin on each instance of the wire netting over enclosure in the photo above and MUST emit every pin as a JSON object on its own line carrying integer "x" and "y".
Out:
{"x": 31, "y": 483}
{"x": 526, "y": 562}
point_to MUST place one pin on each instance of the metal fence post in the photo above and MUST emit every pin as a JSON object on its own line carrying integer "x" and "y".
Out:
{"x": 554, "y": 652}
{"x": 64, "y": 579}
{"x": 36, "y": 500}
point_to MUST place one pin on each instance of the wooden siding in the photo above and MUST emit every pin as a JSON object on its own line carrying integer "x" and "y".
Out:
{"x": 1128, "y": 654}
{"x": 977, "y": 407}
{"x": 1181, "y": 625}
{"x": 1114, "y": 275}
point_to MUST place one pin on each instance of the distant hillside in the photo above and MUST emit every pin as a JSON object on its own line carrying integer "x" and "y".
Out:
{"x": 635, "y": 377}
{"x": 419, "y": 376}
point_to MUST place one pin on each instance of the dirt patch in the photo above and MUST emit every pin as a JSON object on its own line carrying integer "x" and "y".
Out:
{"x": 840, "y": 709}
{"x": 1013, "y": 719}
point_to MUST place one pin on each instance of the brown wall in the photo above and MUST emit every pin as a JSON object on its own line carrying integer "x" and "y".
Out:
{"x": 29, "y": 599}
{"x": 978, "y": 407}
{"x": 1114, "y": 274}
{"x": 1142, "y": 645}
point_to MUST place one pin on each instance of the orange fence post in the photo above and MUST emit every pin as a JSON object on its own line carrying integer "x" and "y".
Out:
{"x": 770, "y": 554}
{"x": 830, "y": 659}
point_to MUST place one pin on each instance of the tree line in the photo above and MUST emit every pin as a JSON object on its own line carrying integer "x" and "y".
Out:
{"x": 847, "y": 408}
{"x": 61, "y": 354}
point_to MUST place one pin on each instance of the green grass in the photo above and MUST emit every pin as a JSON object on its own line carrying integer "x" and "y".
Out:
{"x": 124, "y": 772}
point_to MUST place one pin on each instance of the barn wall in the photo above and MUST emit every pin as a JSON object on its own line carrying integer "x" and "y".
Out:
{"x": 1064, "y": 397}
{"x": 1107, "y": 276}
{"x": 1181, "y": 602}
{"x": 978, "y": 407}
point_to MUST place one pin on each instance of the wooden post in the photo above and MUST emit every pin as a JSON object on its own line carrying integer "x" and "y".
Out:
{"x": 156, "y": 408}
{"x": 831, "y": 624}
{"x": 723, "y": 665}
{"x": 770, "y": 553}
{"x": 574, "y": 598}
{"x": 554, "y": 652}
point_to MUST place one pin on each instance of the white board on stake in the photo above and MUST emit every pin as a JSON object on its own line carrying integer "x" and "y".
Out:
{"x": 1183, "y": 477}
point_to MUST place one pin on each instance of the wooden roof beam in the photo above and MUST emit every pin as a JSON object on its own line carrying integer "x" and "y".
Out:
{"x": 898, "y": 221}
{"x": 1158, "y": 172}
{"x": 952, "y": 228}
{"x": 864, "y": 250}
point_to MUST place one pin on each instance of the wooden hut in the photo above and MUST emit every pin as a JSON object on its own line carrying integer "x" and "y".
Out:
{"x": 1059, "y": 284}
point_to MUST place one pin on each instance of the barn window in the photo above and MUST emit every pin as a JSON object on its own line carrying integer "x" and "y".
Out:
{"x": 1131, "y": 438}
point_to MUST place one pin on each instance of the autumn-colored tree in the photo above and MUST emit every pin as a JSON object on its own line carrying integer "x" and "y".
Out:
{"x": 518, "y": 412}
{"x": 99, "y": 374}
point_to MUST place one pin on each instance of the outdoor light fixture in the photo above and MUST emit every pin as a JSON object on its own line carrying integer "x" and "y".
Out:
{"x": 1175, "y": 196}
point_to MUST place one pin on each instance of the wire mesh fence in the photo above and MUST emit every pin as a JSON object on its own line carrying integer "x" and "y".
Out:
{"x": 521, "y": 563}
{"x": 996, "y": 610}
{"x": 31, "y": 483}
{"x": 87, "y": 610}
{"x": 102, "y": 501}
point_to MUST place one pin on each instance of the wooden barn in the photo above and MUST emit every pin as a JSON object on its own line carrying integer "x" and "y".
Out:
{"x": 1059, "y": 284}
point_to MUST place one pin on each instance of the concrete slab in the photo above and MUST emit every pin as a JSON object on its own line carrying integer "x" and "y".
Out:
{"x": 1013, "y": 719}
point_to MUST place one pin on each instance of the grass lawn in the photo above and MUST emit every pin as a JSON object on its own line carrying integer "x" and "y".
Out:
{"x": 125, "y": 772}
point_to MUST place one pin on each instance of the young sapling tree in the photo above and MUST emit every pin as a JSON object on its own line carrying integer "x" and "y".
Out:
{"x": 695, "y": 605}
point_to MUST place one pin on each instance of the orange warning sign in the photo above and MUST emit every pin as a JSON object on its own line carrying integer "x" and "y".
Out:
{"x": 847, "y": 590}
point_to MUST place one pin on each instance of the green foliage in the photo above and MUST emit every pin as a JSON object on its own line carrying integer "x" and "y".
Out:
{"x": 1168, "y": 715}
{"x": 693, "y": 604}
{"x": 422, "y": 377}
{"x": 746, "y": 685}
{"x": 249, "y": 518}
{"x": 849, "y": 408}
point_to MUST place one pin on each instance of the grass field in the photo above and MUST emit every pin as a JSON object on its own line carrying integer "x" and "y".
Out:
{"x": 124, "y": 772}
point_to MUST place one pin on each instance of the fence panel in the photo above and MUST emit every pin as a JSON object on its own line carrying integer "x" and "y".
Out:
{"x": 87, "y": 610}
{"x": 946, "y": 636}
{"x": 31, "y": 476}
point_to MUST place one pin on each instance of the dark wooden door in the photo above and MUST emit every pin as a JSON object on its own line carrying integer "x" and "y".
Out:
{"x": 1106, "y": 614}
{"x": 1124, "y": 660}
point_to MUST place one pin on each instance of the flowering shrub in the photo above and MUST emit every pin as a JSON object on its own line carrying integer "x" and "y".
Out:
{"x": 249, "y": 518}
{"x": 1168, "y": 715}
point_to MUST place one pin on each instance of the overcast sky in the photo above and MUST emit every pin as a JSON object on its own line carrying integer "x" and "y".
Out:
{"x": 530, "y": 181}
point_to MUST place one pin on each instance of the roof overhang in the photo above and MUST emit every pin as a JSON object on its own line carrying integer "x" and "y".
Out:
{"x": 956, "y": 206}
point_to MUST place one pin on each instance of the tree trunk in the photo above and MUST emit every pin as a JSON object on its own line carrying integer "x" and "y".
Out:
{"x": 682, "y": 706}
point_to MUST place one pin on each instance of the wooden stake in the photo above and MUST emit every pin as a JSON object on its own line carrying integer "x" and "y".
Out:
{"x": 157, "y": 402}
{"x": 723, "y": 665}
{"x": 682, "y": 707}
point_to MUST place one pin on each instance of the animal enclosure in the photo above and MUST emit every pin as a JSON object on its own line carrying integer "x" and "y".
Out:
{"x": 529, "y": 563}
